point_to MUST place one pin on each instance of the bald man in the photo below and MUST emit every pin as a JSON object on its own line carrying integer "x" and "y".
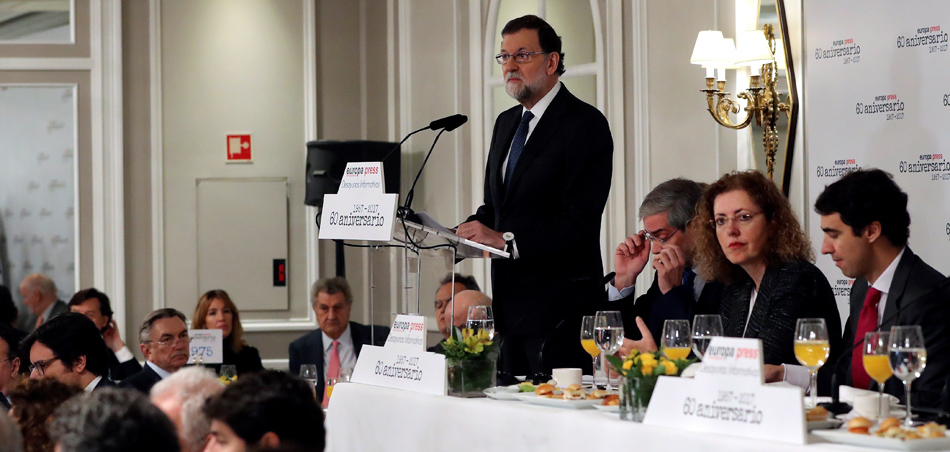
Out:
{"x": 40, "y": 300}
{"x": 463, "y": 300}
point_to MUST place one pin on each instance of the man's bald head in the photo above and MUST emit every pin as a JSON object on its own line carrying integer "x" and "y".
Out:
{"x": 38, "y": 292}
{"x": 464, "y": 300}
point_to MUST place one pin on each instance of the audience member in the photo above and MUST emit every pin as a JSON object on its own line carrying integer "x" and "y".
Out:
{"x": 114, "y": 420}
{"x": 676, "y": 292}
{"x": 747, "y": 236}
{"x": 216, "y": 310}
{"x": 181, "y": 397}
{"x": 458, "y": 308}
{"x": 95, "y": 305}
{"x": 10, "y": 436}
{"x": 69, "y": 348}
{"x": 164, "y": 342}
{"x": 8, "y": 310}
{"x": 338, "y": 340}
{"x": 34, "y": 401}
{"x": 866, "y": 224}
{"x": 448, "y": 288}
{"x": 266, "y": 410}
{"x": 9, "y": 363}
{"x": 41, "y": 301}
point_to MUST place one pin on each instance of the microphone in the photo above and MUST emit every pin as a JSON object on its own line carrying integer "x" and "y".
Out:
{"x": 838, "y": 407}
{"x": 449, "y": 123}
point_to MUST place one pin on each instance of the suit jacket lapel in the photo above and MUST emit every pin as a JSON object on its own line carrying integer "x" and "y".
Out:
{"x": 318, "y": 343}
{"x": 540, "y": 136}
{"x": 507, "y": 126}
{"x": 895, "y": 293}
{"x": 358, "y": 339}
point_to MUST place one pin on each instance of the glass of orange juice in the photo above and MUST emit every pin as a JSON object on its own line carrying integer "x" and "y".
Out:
{"x": 876, "y": 364}
{"x": 812, "y": 349}
{"x": 677, "y": 341}
{"x": 590, "y": 345}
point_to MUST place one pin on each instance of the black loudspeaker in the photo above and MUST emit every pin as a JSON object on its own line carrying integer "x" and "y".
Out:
{"x": 326, "y": 161}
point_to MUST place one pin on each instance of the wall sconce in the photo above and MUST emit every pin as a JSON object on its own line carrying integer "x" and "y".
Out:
{"x": 756, "y": 49}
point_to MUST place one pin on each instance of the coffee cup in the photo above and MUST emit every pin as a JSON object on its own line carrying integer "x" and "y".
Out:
{"x": 566, "y": 377}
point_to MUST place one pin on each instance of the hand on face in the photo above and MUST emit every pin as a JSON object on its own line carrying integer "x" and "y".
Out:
{"x": 669, "y": 265}
{"x": 630, "y": 259}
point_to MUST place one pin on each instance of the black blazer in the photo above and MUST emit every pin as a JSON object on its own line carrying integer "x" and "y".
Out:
{"x": 655, "y": 307}
{"x": 789, "y": 291}
{"x": 28, "y": 321}
{"x": 142, "y": 381}
{"x": 120, "y": 371}
{"x": 911, "y": 291}
{"x": 105, "y": 382}
{"x": 308, "y": 349}
{"x": 247, "y": 360}
{"x": 553, "y": 206}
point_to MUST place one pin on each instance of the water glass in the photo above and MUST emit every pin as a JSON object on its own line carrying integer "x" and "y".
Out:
{"x": 608, "y": 334}
{"x": 705, "y": 327}
{"x": 481, "y": 318}
{"x": 908, "y": 358}
{"x": 309, "y": 373}
{"x": 228, "y": 371}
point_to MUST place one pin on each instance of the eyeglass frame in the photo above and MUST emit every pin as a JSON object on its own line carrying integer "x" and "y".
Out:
{"x": 182, "y": 337}
{"x": 654, "y": 238}
{"x": 737, "y": 219}
{"x": 503, "y": 58}
{"x": 42, "y": 365}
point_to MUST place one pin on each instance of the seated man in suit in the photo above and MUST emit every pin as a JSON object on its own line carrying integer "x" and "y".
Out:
{"x": 866, "y": 226}
{"x": 40, "y": 299}
{"x": 9, "y": 362}
{"x": 95, "y": 305}
{"x": 69, "y": 348}
{"x": 456, "y": 313}
{"x": 338, "y": 340}
{"x": 444, "y": 295}
{"x": 265, "y": 410}
{"x": 677, "y": 292}
{"x": 164, "y": 341}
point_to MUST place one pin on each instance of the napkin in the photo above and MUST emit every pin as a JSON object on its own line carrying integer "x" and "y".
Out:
{"x": 848, "y": 393}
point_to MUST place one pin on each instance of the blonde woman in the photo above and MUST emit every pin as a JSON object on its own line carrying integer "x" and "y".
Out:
{"x": 215, "y": 310}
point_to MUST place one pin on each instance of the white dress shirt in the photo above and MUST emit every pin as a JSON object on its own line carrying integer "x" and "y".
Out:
{"x": 161, "y": 372}
{"x": 92, "y": 384}
{"x": 347, "y": 351}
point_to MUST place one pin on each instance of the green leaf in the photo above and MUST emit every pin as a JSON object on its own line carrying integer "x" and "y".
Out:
{"x": 456, "y": 334}
{"x": 616, "y": 362}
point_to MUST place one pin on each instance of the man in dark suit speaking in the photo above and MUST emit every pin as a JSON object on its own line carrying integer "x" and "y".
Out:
{"x": 337, "y": 343}
{"x": 546, "y": 185}
{"x": 866, "y": 224}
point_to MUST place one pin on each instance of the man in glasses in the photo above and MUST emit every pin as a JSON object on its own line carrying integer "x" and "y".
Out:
{"x": 69, "y": 348}
{"x": 444, "y": 295}
{"x": 9, "y": 362}
{"x": 164, "y": 341}
{"x": 677, "y": 292}
{"x": 546, "y": 186}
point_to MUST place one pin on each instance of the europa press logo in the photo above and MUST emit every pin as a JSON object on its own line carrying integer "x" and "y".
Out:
{"x": 839, "y": 168}
{"x": 930, "y": 38}
{"x": 844, "y": 50}
{"x": 842, "y": 287}
{"x": 888, "y": 104}
{"x": 933, "y": 164}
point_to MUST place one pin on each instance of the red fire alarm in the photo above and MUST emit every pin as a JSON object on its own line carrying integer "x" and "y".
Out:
{"x": 239, "y": 148}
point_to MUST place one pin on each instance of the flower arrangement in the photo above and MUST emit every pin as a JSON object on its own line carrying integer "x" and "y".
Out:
{"x": 640, "y": 372}
{"x": 226, "y": 381}
{"x": 470, "y": 357}
{"x": 466, "y": 344}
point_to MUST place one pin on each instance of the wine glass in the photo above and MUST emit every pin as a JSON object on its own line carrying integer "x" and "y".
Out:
{"x": 481, "y": 318}
{"x": 589, "y": 344}
{"x": 309, "y": 373}
{"x": 811, "y": 350}
{"x": 908, "y": 357}
{"x": 228, "y": 371}
{"x": 705, "y": 327}
{"x": 608, "y": 334}
{"x": 676, "y": 339}
{"x": 876, "y": 363}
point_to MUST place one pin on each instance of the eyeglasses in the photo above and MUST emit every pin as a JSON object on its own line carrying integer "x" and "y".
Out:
{"x": 520, "y": 57}
{"x": 741, "y": 219}
{"x": 40, "y": 366}
{"x": 168, "y": 340}
{"x": 654, "y": 238}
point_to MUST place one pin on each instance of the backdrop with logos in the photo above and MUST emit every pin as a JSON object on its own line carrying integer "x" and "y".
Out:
{"x": 877, "y": 95}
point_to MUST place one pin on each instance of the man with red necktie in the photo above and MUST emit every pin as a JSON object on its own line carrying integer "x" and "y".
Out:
{"x": 866, "y": 228}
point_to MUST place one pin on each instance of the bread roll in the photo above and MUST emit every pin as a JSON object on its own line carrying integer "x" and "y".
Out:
{"x": 544, "y": 390}
{"x": 859, "y": 425}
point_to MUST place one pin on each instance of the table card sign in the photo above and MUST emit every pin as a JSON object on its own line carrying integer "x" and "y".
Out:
{"x": 728, "y": 397}
{"x": 403, "y": 363}
{"x": 207, "y": 346}
{"x": 361, "y": 210}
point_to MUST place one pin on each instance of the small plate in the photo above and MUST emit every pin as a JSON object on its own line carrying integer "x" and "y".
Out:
{"x": 843, "y": 437}
{"x": 607, "y": 408}
{"x": 558, "y": 403}
{"x": 501, "y": 393}
{"x": 823, "y": 425}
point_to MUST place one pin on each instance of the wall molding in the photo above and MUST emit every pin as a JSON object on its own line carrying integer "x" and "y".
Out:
{"x": 616, "y": 212}
{"x": 157, "y": 173}
{"x": 639, "y": 52}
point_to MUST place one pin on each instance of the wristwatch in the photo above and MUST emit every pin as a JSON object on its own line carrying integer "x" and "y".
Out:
{"x": 509, "y": 238}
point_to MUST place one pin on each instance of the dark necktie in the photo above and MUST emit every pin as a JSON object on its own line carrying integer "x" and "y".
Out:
{"x": 517, "y": 145}
{"x": 688, "y": 277}
{"x": 867, "y": 322}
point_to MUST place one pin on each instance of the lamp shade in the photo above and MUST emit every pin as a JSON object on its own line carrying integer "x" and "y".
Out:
{"x": 707, "y": 49}
{"x": 752, "y": 49}
{"x": 780, "y": 55}
{"x": 728, "y": 53}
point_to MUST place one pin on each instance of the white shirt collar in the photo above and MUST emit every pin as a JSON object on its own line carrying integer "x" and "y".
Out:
{"x": 161, "y": 372}
{"x": 884, "y": 281}
{"x": 538, "y": 109}
{"x": 345, "y": 339}
{"x": 48, "y": 311}
{"x": 92, "y": 384}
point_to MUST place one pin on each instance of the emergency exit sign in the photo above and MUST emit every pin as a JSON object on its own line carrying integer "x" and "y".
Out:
{"x": 239, "y": 148}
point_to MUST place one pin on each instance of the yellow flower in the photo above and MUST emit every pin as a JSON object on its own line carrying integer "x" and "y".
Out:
{"x": 633, "y": 354}
{"x": 646, "y": 359}
{"x": 627, "y": 365}
{"x": 670, "y": 367}
{"x": 483, "y": 335}
{"x": 473, "y": 345}
{"x": 647, "y": 370}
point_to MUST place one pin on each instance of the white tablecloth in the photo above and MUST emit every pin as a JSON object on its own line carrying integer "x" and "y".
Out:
{"x": 367, "y": 418}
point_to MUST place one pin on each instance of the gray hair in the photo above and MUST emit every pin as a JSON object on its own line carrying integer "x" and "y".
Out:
{"x": 332, "y": 286}
{"x": 677, "y": 197}
{"x": 467, "y": 281}
{"x": 112, "y": 420}
{"x": 145, "y": 332}
{"x": 10, "y": 434}
{"x": 41, "y": 282}
{"x": 191, "y": 387}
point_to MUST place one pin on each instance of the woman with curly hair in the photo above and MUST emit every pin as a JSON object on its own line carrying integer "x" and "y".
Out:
{"x": 216, "y": 310}
{"x": 34, "y": 402}
{"x": 747, "y": 236}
